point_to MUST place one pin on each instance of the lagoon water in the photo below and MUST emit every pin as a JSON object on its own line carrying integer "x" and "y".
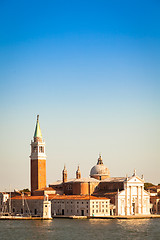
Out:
{"x": 68, "y": 229}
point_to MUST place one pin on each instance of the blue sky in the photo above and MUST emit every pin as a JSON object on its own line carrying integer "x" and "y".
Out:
{"x": 90, "y": 69}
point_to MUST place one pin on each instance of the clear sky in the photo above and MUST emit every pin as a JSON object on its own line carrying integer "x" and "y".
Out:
{"x": 91, "y": 70}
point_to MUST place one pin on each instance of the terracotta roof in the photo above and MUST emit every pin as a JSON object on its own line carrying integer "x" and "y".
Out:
{"x": 78, "y": 197}
{"x": 111, "y": 193}
{"x": 45, "y": 189}
{"x": 55, "y": 196}
{"x": 28, "y": 197}
{"x": 154, "y": 187}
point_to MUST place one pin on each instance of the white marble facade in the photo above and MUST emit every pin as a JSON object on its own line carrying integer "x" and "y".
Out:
{"x": 133, "y": 199}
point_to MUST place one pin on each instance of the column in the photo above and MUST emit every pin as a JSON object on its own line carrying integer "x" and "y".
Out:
{"x": 126, "y": 201}
{"x": 141, "y": 199}
{"x": 137, "y": 199}
{"x": 130, "y": 200}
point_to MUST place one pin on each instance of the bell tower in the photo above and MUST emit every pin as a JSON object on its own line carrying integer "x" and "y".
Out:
{"x": 38, "y": 160}
{"x": 78, "y": 173}
{"x": 64, "y": 174}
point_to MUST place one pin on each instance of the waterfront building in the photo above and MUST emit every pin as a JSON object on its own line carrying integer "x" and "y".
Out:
{"x": 154, "y": 198}
{"x": 79, "y": 205}
{"x": 155, "y": 204}
{"x": 73, "y": 205}
{"x": 3, "y": 202}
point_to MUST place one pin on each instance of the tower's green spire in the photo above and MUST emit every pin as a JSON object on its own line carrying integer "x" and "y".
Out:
{"x": 37, "y": 133}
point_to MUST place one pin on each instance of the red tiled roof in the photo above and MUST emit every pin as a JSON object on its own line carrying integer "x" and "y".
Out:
{"x": 80, "y": 197}
{"x": 45, "y": 189}
{"x": 28, "y": 197}
{"x": 54, "y": 196}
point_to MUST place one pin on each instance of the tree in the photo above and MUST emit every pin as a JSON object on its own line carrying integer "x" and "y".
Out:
{"x": 147, "y": 185}
{"x": 25, "y": 190}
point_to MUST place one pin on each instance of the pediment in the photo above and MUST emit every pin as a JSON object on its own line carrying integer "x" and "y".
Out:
{"x": 135, "y": 179}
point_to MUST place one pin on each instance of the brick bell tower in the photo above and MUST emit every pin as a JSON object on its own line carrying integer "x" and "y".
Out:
{"x": 38, "y": 160}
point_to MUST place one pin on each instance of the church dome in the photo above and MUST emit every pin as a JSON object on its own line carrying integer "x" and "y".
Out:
{"x": 99, "y": 171}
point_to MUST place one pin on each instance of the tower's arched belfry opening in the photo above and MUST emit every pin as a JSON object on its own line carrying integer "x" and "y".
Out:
{"x": 38, "y": 160}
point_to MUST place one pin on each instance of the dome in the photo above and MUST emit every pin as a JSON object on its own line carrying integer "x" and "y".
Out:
{"x": 99, "y": 171}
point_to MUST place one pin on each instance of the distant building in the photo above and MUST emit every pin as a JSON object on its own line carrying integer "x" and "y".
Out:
{"x": 3, "y": 202}
{"x": 154, "y": 198}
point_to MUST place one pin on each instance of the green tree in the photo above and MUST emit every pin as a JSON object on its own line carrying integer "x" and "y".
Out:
{"x": 147, "y": 185}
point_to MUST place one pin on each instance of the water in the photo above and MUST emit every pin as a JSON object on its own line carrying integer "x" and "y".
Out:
{"x": 68, "y": 229}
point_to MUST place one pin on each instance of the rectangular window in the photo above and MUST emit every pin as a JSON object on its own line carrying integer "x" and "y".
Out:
{"x": 34, "y": 149}
{"x": 41, "y": 149}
